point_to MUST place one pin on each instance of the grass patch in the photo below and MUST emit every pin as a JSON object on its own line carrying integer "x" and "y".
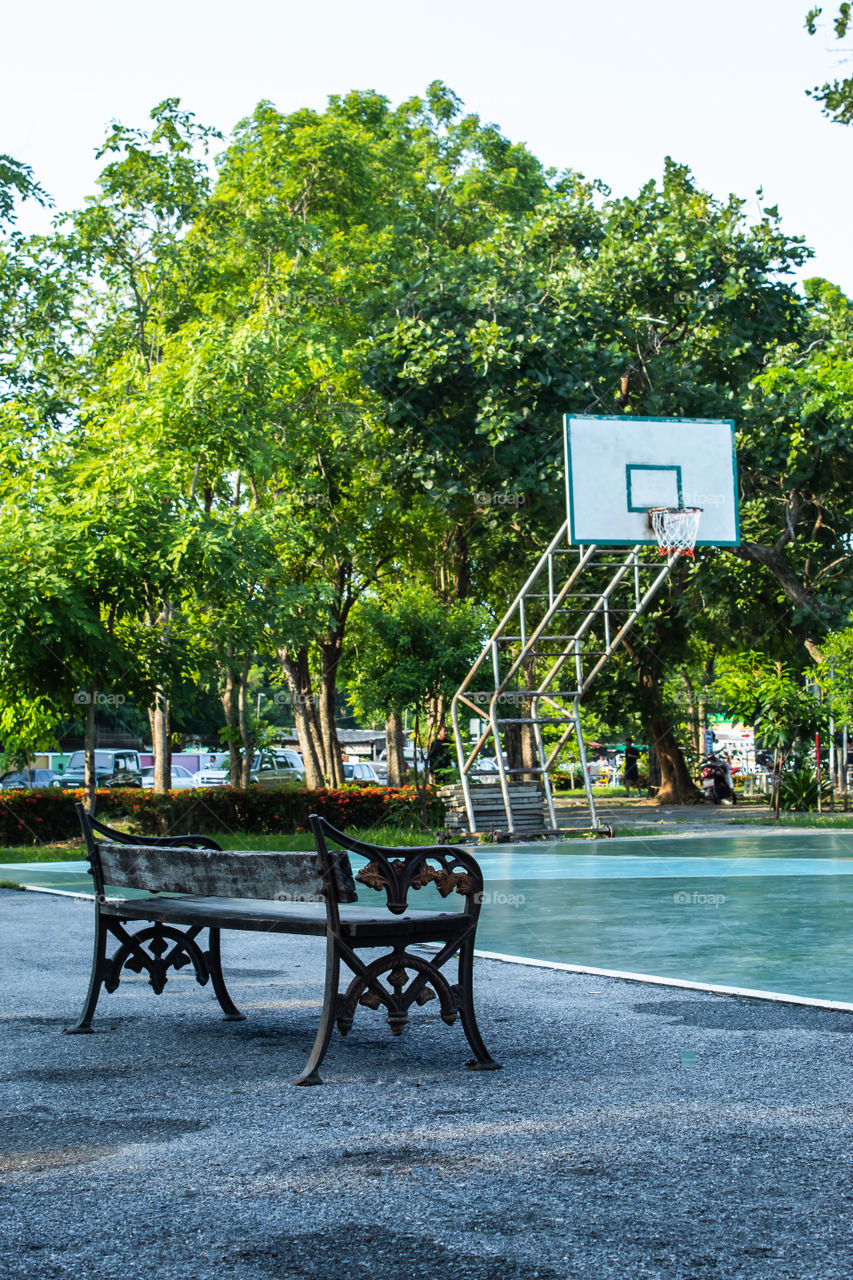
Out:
{"x": 300, "y": 842}
{"x": 67, "y": 851}
{"x": 815, "y": 821}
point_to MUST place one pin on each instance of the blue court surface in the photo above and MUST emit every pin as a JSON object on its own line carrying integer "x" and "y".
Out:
{"x": 763, "y": 911}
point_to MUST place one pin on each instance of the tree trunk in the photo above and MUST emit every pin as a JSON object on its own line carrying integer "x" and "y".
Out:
{"x": 230, "y": 705}
{"x": 394, "y": 749}
{"x": 420, "y": 777}
{"x": 529, "y": 754}
{"x": 437, "y": 716}
{"x": 159, "y": 713}
{"x": 692, "y": 715}
{"x": 294, "y": 668}
{"x": 654, "y": 771}
{"x": 707, "y": 681}
{"x": 703, "y": 723}
{"x": 676, "y": 786}
{"x": 90, "y": 741}
{"x": 159, "y": 718}
{"x": 247, "y": 738}
{"x": 513, "y": 746}
{"x": 330, "y": 656}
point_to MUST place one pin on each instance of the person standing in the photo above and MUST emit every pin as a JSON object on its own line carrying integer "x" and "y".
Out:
{"x": 632, "y": 773}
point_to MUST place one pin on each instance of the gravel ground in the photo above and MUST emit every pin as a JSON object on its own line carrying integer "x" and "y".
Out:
{"x": 634, "y": 1131}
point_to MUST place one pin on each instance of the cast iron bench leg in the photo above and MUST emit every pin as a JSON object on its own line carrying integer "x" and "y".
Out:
{"x": 83, "y": 1025}
{"x": 483, "y": 1060}
{"x": 214, "y": 968}
{"x": 309, "y": 1074}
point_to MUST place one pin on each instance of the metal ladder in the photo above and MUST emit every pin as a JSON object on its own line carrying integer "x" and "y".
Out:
{"x": 568, "y": 619}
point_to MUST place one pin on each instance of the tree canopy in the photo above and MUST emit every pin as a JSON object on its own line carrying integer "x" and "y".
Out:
{"x": 292, "y": 399}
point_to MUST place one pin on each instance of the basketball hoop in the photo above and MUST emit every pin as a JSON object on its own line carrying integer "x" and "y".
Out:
{"x": 675, "y": 529}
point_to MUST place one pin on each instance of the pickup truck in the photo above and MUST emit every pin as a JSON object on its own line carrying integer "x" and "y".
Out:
{"x": 112, "y": 769}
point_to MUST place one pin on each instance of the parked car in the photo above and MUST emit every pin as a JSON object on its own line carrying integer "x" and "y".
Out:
{"x": 112, "y": 769}
{"x": 29, "y": 779}
{"x": 486, "y": 770}
{"x": 215, "y": 778}
{"x": 181, "y": 778}
{"x": 272, "y": 768}
{"x": 360, "y": 771}
{"x": 408, "y": 759}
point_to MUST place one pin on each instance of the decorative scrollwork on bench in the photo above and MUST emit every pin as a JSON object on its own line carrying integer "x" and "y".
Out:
{"x": 396, "y": 876}
{"x": 159, "y": 956}
{"x": 398, "y": 992}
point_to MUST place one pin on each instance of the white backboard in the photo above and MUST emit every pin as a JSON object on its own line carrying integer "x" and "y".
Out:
{"x": 616, "y": 468}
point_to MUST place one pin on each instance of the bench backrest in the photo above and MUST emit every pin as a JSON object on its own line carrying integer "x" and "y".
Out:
{"x": 165, "y": 864}
{"x": 222, "y": 874}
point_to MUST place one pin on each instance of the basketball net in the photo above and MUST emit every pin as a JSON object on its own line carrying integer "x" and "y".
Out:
{"x": 675, "y": 529}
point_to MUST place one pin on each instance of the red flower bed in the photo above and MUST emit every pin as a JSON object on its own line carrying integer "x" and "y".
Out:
{"x": 269, "y": 812}
{"x": 39, "y": 817}
{"x": 45, "y": 816}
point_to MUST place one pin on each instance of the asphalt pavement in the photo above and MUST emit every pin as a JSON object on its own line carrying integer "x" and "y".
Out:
{"x": 634, "y": 1131}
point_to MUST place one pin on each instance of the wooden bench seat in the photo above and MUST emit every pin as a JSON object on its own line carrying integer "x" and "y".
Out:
{"x": 356, "y": 921}
{"x": 189, "y": 884}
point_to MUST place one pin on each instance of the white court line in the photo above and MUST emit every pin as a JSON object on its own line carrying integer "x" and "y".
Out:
{"x": 58, "y": 893}
{"x": 652, "y": 980}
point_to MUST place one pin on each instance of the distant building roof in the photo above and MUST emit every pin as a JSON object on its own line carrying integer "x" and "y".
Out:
{"x": 346, "y": 737}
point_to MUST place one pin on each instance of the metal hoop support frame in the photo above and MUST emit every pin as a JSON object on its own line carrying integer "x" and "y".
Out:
{"x": 675, "y": 529}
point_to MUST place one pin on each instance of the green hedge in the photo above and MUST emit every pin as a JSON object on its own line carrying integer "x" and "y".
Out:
{"x": 45, "y": 816}
{"x": 40, "y": 817}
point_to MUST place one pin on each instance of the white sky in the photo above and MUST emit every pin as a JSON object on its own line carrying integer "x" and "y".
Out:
{"x": 607, "y": 88}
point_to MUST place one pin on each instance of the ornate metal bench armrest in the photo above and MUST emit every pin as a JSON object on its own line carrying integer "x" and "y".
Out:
{"x": 398, "y": 870}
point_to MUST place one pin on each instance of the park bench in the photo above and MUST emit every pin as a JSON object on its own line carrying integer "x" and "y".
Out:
{"x": 299, "y": 893}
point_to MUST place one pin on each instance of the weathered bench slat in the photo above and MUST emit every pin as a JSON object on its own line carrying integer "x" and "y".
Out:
{"x": 217, "y": 874}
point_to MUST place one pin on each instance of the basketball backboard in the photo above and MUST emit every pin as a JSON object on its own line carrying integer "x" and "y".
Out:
{"x": 617, "y": 468}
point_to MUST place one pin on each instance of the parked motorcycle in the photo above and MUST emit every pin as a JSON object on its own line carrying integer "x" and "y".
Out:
{"x": 717, "y": 782}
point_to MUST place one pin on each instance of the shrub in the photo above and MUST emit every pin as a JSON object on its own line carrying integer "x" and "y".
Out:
{"x": 268, "y": 812}
{"x": 798, "y": 789}
{"x": 44, "y": 816}
{"x": 41, "y": 817}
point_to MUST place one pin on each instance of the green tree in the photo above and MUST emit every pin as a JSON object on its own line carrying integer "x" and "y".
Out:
{"x": 836, "y": 96}
{"x": 412, "y": 652}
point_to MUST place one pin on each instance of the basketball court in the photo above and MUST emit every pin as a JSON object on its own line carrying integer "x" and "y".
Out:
{"x": 753, "y": 911}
